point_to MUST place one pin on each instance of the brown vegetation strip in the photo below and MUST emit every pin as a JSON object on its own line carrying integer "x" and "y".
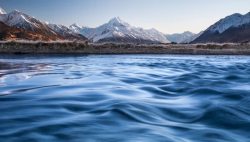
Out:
{"x": 111, "y": 48}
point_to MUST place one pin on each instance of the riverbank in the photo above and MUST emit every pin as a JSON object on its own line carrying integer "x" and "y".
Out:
{"x": 111, "y": 48}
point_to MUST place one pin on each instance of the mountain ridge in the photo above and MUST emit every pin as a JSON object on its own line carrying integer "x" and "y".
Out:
{"x": 20, "y": 20}
{"x": 13, "y": 33}
{"x": 184, "y": 37}
{"x": 121, "y": 31}
{"x": 233, "y": 28}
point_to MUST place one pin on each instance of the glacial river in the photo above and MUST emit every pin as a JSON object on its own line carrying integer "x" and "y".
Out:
{"x": 124, "y": 98}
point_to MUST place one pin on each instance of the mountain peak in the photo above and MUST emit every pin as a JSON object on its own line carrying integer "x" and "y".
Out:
{"x": 16, "y": 12}
{"x": 116, "y": 30}
{"x": 116, "y": 21}
{"x": 2, "y": 11}
{"x": 187, "y": 32}
{"x": 75, "y": 25}
{"x": 236, "y": 15}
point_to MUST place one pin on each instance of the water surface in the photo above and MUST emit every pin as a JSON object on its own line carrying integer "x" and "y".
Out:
{"x": 130, "y": 98}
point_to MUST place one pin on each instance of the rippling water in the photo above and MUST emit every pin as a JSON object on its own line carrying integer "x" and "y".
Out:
{"x": 132, "y": 98}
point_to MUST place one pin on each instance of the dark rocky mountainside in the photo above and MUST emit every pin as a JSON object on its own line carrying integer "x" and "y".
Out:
{"x": 13, "y": 33}
{"x": 234, "y": 29}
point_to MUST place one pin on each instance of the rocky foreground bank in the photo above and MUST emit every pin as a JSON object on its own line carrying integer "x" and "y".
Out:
{"x": 110, "y": 48}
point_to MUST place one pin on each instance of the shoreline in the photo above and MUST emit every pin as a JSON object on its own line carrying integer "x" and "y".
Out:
{"x": 114, "y": 48}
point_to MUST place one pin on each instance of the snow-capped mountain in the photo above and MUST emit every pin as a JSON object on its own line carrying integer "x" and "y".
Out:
{"x": 12, "y": 33}
{"x": 2, "y": 11}
{"x": 233, "y": 28}
{"x": 66, "y": 32}
{"x": 20, "y": 20}
{"x": 185, "y": 37}
{"x": 117, "y": 30}
{"x": 234, "y": 20}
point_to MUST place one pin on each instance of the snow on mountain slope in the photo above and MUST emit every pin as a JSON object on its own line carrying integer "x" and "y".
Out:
{"x": 66, "y": 32}
{"x": 61, "y": 29}
{"x": 27, "y": 24}
{"x": 18, "y": 19}
{"x": 118, "y": 29}
{"x": 2, "y": 11}
{"x": 234, "y": 28}
{"x": 75, "y": 28}
{"x": 234, "y": 20}
{"x": 12, "y": 33}
{"x": 185, "y": 37}
{"x": 21, "y": 20}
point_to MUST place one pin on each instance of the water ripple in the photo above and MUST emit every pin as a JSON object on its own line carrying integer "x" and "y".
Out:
{"x": 126, "y": 98}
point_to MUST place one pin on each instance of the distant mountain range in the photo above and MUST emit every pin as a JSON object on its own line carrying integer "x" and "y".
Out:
{"x": 20, "y": 26}
{"x": 185, "y": 37}
{"x": 117, "y": 30}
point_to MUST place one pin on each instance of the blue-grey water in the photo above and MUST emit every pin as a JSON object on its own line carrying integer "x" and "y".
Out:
{"x": 124, "y": 98}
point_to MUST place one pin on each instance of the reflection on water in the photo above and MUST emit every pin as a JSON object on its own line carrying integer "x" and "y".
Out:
{"x": 125, "y": 98}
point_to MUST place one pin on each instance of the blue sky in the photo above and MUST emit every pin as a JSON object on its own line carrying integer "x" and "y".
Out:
{"x": 167, "y": 16}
